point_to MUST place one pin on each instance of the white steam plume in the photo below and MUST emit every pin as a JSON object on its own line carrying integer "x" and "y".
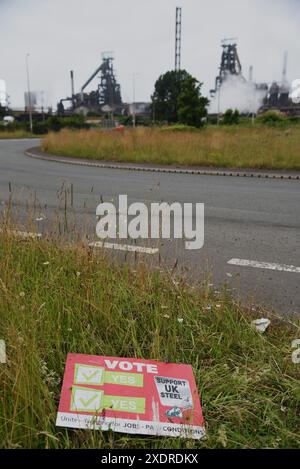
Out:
{"x": 237, "y": 94}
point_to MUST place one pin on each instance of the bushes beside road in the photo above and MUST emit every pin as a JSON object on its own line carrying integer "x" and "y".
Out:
{"x": 55, "y": 124}
{"x": 18, "y": 129}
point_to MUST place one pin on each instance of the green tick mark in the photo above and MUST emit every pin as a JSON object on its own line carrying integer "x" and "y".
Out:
{"x": 91, "y": 376}
{"x": 88, "y": 402}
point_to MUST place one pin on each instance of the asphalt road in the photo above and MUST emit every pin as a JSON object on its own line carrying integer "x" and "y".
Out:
{"x": 249, "y": 219}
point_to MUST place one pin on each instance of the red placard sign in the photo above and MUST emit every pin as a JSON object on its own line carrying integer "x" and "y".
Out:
{"x": 130, "y": 396}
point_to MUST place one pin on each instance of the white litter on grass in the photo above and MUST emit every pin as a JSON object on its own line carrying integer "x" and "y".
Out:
{"x": 23, "y": 234}
{"x": 261, "y": 325}
{"x": 2, "y": 351}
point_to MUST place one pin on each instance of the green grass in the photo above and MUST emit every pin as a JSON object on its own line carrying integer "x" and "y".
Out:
{"x": 79, "y": 302}
{"x": 7, "y": 134}
{"x": 229, "y": 147}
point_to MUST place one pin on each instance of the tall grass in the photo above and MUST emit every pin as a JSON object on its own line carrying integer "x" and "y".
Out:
{"x": 56, "y": 299}
{"x": 269, "y": 148}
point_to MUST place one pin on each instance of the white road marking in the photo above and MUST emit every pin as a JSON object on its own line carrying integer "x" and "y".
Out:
{"x": 264, "y": 265}
{"x": 23, "y": 234}
{"x": 124, "y": 247}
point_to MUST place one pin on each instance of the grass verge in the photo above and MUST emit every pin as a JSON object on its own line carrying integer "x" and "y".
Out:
{"x": 7, "y": 134}
{"x": 258, "y": 148}
{"x": 56, "y": 299}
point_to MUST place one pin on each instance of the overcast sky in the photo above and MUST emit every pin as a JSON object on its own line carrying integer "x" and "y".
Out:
{"x": 61, "y": 35}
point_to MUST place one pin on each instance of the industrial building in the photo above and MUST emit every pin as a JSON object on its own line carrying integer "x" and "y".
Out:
{"x": 105, "y": 99}
{"x": 270, "y": 96}
{"x": 246, "y": 95}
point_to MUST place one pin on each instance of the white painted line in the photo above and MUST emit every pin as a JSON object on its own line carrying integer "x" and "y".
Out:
{"x": 23, "y": 234}
{"x": 264, "y": 265}
{"x": 2, "y": 351}
{"x": 124, "y": 247}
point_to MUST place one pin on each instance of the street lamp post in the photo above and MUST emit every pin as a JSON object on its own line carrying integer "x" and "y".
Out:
{"x": 42, "y": 99}
{"x": 29, "y": 94}
{"x": 133, "y": 105}
{"x": 219, "y": 104}
{"x": 253, "y": 104}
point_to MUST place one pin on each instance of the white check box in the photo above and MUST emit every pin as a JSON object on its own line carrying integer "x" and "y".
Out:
{"x": 85, "y": 374}
{"x": 86, "y": 399}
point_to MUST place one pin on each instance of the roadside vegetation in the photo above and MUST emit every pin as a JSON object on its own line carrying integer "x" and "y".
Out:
{"x": 19, "y": 129}
{"x": 261, "y": 147}
{"x": 8, "y": 134}
{"x": 57, "y": 298}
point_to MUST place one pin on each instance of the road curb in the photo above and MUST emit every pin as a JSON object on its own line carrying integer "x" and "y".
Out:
{"x": 38, "y": 154}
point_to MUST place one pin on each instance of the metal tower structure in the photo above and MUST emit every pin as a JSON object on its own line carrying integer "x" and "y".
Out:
{"x": 109, "y": 90}
{"x": 178, "y": 39}
{"x": 230, "y": 62}
{"x": 284, "y": 71}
